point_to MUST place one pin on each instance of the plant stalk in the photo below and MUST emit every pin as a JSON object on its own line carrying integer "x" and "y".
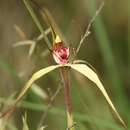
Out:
{"x": 67, "y": 93}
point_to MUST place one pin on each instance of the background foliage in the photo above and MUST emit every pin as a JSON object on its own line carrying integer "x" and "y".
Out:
{"x": 107, "y": 49}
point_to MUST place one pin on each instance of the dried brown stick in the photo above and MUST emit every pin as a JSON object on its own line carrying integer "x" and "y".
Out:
{"x": 87, "y": 32}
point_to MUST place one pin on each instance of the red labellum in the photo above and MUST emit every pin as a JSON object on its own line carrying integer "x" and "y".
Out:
{"x": 60, "y": 53}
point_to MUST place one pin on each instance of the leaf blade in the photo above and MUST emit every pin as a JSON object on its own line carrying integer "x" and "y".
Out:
{"x": 34, "y": 77}
{"x": 36, "y": 21}
{"x": 91, "y": 75}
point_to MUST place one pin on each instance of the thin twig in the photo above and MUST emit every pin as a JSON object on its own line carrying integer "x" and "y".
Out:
{"x": 49, "y": 105}
{"x": 21, "y": 33}
{"x": 87, "y": 32}
{"x": 32, "y": 43}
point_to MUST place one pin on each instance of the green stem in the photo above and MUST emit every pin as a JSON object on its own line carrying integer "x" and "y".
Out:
{"x": 67, "y": 94}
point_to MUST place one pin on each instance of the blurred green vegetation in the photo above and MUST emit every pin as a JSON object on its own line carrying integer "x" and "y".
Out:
{"x": 107, "y": 49}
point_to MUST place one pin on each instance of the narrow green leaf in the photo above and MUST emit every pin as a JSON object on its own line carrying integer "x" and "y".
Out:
{"x": 6, "y": 66}
{"x": 91, "y": 75}
{"x": 60, "y": 112}
{"x": 25, "y": 125}
{"x": 35, "y": 19}
{"x": 34, "y": 77}
{"x": 39, "y": 92}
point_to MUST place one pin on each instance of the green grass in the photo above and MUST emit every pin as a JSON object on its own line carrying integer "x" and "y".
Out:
{"x": 112, "y": 70}
{"x": 54, "y": 112}
{"x": 4, "y": 65}
{"x": 111, "y": 64}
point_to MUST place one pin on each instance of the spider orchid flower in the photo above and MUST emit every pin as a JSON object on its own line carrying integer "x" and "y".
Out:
{"x": 60, "y": 52}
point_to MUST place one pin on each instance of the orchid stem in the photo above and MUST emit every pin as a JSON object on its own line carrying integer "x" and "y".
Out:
{"x": 67, "y": 93}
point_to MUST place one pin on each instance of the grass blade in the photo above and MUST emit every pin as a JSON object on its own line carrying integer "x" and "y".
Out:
{"x": 60, "y": 112}
{"x": 35, "y": 19}
{"x": 25, "y": 125}
{"x": 10, "y": 69}
{"x": 109, "y": 59}
{"x": 34, "y": 77}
